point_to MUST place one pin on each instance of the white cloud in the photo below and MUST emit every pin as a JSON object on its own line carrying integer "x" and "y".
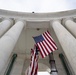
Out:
{"x": 37, "y": 5}
{"x": 53, "y": 5}
{"x": 71, "y": 4}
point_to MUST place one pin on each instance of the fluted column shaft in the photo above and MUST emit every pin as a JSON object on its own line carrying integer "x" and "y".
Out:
{"x": 8, "y": 41}
{"x": 70, "y": 25}
{"x": 5, "y": 25}
{"x": 67, "y": 41}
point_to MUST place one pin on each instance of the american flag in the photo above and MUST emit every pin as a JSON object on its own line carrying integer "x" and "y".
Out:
{"x": 33, "y": 68}
{"x": 45, "y": 43}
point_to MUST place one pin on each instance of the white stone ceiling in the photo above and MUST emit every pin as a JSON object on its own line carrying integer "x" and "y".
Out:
{"x": 36, "y": 24}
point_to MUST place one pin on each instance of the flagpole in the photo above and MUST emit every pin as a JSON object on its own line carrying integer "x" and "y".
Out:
{"x": 52, "y": 63}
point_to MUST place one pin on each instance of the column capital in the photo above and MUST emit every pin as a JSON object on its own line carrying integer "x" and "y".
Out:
{"x": 10, "y": 19}
{"x": 16, "y": 20}
{"x": 21, "y": 20}
{"x": 56, "y": 20}
{"x": 65, "y": 19}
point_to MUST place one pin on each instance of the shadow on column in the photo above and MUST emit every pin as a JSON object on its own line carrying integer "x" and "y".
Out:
{"x": 64, "y": 63}
{"x": 10, "y": 65}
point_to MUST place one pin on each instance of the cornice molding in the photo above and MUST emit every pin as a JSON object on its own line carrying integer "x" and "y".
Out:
{"x": 38, "y": 16}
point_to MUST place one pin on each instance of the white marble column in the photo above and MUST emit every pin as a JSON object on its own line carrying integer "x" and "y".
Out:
{"x": 5, "y": 25}
{"x": 67, "y": 41}
{"x": 70, "y": 25}
{"x": 8, "y": 41}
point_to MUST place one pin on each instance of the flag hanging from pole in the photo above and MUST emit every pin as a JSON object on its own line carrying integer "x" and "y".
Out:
{"x": 33, "y": 68}
{"x": 45, "y": 43}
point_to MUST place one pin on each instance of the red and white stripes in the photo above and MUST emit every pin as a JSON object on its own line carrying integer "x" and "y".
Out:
{"x": 33, "y": 68}
{"x": 47, "y": 45}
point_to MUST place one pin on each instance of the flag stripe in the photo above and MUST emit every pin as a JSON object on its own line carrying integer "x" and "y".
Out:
{"x": 50, "y": 37}
{"x": 36, "y": 66}
{"x": 33, "y": 59}
{"x": 46, "y": 45}
{"x": 52, "y": 41}
{"x": 32, "y": 68}
{"x": 47, "y": 48}
{"x": 47, "y": 32}
{"x": 49, "y": 42}
{"x": 36, "y": 70}
{"x": 42, "y": 45}
{"x": 34, "y": 63}
{"x": 41, "y": 51}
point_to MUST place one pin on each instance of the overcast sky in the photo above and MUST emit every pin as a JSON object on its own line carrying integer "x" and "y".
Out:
{"x": 38, "y": 5}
